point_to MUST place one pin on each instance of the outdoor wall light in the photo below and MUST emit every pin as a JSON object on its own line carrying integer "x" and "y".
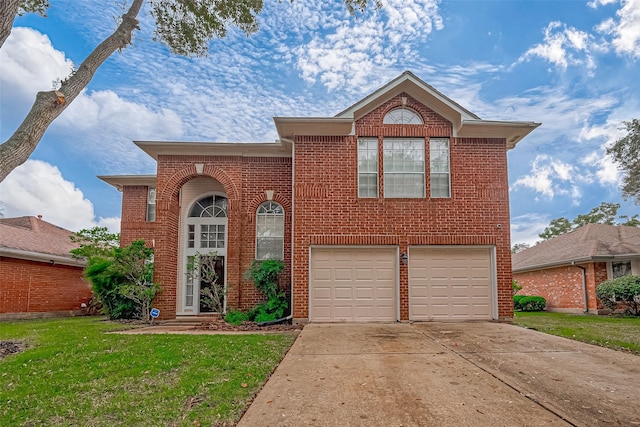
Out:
{"x": 404, "y": 258}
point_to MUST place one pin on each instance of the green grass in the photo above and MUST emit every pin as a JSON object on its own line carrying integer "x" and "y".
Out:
{"x": 618, "y": 333}
{"x": 74, "y": 374}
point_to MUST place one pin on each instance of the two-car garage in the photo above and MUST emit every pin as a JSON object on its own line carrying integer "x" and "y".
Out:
{"x": 361, "y": 284}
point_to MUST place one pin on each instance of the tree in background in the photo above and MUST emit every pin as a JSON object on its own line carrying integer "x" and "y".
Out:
{"x": 626, "y": 153}
{"x": 185, "y": 27}
{"x": 518, "y": 247}
{"x": 606, "y": 213}
{"x": 96, "y": 241}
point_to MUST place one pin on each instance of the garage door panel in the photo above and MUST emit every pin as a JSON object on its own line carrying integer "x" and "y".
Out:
{"x": 449, "y": 283}
{"x": 362, "y": 283}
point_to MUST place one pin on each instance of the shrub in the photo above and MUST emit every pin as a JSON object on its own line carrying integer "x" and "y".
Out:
{"x": 516, "y": 302}
{"x": 106, "y": 284}
{"x": 515, "y": 287}
{"x": 532, "y": 303}
{"x": 625, "y": 289}
{"x": 236, "y": 317}
{"x": 264, "y": 275}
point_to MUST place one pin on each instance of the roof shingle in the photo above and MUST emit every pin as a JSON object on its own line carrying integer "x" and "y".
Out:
{"x": 31, "y": 234}
{"x": 589, "y": 242}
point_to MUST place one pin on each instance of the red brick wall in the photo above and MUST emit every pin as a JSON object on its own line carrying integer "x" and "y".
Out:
{"x": 133, "y": 224}
{"x": 32, "y": 286}
{"x": 245, "y": 180}
{"x": 562, "y": 286}
{"x": 328, "y": 210}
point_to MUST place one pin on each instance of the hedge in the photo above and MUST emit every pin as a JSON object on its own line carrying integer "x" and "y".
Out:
{"x": 529, "y": 303}
{"x": 625, "y": 289}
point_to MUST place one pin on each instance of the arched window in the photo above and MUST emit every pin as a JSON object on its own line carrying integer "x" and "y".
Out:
{"x": 402, "y": 116}
{"x": 209, "y": 207}
{"x": 270, "y": 231}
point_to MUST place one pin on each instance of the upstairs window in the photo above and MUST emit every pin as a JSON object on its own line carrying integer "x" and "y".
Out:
{"x": 402, "y": 116}
{"x": 270, "y": 231}
{"x": 209, "y": 207}
{"x": 403, "y": 167}
{"x": 151, "y": 204}
{"x": 440, "y": 170}
{"x": 368, "y": 167}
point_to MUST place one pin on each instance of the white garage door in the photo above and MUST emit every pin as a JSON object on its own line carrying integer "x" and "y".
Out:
{"x": 353, "y": 284}
{"x": 450, "y": 283}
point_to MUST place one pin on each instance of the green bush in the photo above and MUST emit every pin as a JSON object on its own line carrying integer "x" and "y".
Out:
{"x": 236, "y": 317}
{"x": 106, "y": 286}
{"x": 516, "y": 302}
{"x": 532, "y": 303}
{"x": 264, "y": 275}
{"x": 625, "y": 289}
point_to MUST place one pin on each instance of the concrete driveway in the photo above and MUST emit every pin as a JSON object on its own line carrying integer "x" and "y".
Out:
{"x": 446, "y": 374}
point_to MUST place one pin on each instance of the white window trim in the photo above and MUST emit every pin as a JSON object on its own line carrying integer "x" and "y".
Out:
{"x": 151, "y": 201}
{"x": 431, "y": 173}
{"x": 283, "y": 229}
{"x": 369, "y": 173}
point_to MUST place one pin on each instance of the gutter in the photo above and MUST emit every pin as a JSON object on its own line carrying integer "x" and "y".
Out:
{"x": 584, "y": 286}
{"x": 41, "y": 257}
{"x": 597, "y": 258}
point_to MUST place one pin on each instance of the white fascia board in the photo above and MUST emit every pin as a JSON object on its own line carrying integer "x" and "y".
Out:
{"x": 243, "y": 149}
{"x": 120, "y": 181}
{"x": 513, "y": 132}
{"x": 290, "y": 127}
{"x": 41, "y": 257}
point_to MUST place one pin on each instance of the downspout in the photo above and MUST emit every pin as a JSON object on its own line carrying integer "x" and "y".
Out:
{"x": 584, "y": 285}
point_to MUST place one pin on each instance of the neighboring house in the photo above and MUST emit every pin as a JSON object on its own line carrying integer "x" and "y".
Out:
{"x": 566, "y": 269}
{"x": 395, "y": 209}
{"x": 38, "y": 276}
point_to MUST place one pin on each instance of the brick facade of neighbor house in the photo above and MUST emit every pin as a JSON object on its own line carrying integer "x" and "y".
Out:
{"x": 37, "y": 273}
{"x": 551, "y": 269}
{"x": 562, "y": 286}
{"x": 312, "y": 173}
{"x": 38, "y": 287}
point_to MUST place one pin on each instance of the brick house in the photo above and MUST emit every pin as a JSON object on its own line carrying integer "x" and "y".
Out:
{"x": 567, "y": 269}
{"x": 38, "y": 276}
{"x": 395, "y": 209}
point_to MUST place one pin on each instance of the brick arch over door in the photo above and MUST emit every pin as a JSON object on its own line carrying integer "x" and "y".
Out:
{"x": 168, "y": 223}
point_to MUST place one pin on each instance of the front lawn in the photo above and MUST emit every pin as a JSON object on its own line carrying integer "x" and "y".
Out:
{"x": 618, "y": 333}
{"x": 73, "y": 373}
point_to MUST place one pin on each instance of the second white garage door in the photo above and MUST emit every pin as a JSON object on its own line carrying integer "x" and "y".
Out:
{"x": 448, "y": 283}
{"x": 356, "y": 284}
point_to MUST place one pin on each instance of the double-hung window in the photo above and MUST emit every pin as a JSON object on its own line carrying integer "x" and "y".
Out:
{"x": 270, "y": 231}
{"x": 151, "y": 204}
{"x": 440, "y": 168}
{"x": 403, "y": 163}
{"x": 368, "y": 167}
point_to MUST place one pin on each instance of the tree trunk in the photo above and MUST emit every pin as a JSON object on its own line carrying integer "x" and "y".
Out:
{"x": 8, "y": 12}
{"x": 49, "y": 105}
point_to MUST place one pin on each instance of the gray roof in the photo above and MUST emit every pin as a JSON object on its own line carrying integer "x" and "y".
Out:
{"x": 592, "y": 242}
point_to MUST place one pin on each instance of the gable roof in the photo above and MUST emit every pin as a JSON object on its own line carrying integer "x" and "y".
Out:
{"x": 28, "y": 237}
{"x": 591, "y": 242}
{"x": 465, "y": 123}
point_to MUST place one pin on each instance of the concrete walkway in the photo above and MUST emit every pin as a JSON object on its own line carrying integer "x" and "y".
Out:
{"x": 446, "y": 374}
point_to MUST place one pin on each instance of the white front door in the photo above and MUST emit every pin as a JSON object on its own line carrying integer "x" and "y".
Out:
{"x": 206, "y": 239}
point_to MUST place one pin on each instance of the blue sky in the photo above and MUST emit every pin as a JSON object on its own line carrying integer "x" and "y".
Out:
{"x": 572, "y": 65}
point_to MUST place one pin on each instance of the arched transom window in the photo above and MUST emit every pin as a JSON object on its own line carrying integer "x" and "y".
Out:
{"x": 402, "y": 116}
{"x": 209, "y": 207}
{"x": 270, "y": 231}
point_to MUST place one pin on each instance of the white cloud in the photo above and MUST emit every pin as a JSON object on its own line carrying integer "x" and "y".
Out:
{"x": 596, "y": 3}
{"x": 343, "y": 55}
{"x": 563, "y": 46}
{"x": 605, "y": 170}
{"x": 525, "y": 228}
{"x": 551, "y": 177}
{"x": 38, "y": 188}
{"x": 625, "y": 30}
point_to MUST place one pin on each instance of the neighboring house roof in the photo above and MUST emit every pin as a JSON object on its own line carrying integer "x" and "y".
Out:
{"x": 465, "y": 123}
{"x": 591, "y": 242}
{"x": 31, "y": 238}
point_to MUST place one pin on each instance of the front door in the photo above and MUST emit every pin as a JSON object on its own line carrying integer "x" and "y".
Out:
{"x": 205, "y": 253}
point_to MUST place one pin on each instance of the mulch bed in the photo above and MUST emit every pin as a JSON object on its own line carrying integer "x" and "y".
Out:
{"x": 11, "y": 347}
{"x": 221, "y": 325}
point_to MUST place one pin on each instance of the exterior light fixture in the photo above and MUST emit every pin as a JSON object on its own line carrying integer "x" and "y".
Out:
{"x": 404, "y": 258}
